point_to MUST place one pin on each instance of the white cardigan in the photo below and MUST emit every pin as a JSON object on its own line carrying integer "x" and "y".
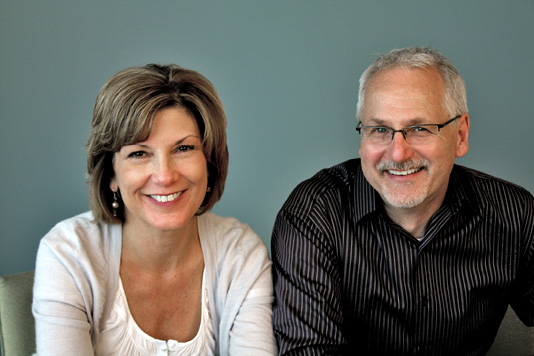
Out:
{"x": 77, "y": 275}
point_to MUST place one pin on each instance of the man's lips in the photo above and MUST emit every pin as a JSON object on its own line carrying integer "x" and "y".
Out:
{"x": 405, "y": 172}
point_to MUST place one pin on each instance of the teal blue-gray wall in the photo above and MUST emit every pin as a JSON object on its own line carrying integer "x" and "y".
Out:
{"x": 287, "y": 73}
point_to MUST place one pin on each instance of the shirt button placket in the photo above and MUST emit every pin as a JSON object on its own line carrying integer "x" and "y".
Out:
{"x": 424, "y": 301}
{"x": 163, "y": 350}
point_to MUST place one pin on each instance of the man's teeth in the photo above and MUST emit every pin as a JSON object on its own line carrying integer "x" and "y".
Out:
{"x": 404, "y": 173}
{"x": 165, "y": 198}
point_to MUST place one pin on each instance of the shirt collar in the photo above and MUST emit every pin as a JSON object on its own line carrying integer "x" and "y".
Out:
{"x": 460, "y": 194}
{"x": 366, "y": 198}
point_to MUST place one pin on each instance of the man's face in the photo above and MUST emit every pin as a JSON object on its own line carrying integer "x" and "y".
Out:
{"x": 408, "y": 175}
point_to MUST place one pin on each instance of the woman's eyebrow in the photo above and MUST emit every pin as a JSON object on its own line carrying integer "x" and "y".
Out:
{"x": 180, "y": 141}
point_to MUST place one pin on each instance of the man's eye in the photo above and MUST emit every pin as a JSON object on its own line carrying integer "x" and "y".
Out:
{"x": 420, "y": 129}
{"x": 380, "y": 130}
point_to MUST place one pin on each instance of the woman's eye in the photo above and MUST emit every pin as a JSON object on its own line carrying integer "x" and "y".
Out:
{"x": 185, "y": 148}
{"x": 136, "y": 154}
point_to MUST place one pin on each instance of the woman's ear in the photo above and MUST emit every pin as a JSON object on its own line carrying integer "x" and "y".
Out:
{"x": 113, "y": 185}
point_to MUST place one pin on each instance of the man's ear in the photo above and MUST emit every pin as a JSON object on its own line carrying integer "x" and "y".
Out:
{"x": 463, "y": 135}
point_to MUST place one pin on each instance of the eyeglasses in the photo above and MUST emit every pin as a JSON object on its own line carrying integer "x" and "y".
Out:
{"x": 416, "y": 134}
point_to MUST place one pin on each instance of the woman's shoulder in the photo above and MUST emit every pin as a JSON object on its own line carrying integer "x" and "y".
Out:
{"x": 226, "y": 238}
{"x": 78, "y": 264}
{"x": 82, "y": 235}
{"x": 234, "y": 255}
{"x": 83, "y": 221}
{"x": 227, "y": 231}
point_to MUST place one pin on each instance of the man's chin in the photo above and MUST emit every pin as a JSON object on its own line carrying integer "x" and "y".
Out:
{"x": 403, "y": 201}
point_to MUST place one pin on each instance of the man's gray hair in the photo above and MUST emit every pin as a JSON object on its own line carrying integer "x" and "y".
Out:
{"x": 419, "y": 57}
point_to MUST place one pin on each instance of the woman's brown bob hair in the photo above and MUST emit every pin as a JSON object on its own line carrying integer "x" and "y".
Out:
{"x": 123, "y": 115}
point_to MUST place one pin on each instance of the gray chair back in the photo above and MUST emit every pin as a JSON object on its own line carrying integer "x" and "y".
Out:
{"x": 513, "y": 338}
{"x": 17, "y": 325}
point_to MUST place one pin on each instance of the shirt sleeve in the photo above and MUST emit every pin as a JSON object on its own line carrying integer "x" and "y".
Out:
{"x": 61, "y": 320}
{"x": 307, "y": 312}
{"x": 523, "y": 299}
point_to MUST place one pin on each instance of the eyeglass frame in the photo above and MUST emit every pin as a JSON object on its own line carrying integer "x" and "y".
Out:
{"x": 359, "y": 127}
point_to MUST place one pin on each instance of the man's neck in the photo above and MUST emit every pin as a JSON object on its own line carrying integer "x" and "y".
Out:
{"x": 413, "y": 220}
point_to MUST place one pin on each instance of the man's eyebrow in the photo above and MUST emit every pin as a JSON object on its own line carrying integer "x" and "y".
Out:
{"x": 375, "y": 121}
{"x": 417, "y": 121}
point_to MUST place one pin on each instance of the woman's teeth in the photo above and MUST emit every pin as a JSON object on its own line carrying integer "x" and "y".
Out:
{"x": 165, "y": 198}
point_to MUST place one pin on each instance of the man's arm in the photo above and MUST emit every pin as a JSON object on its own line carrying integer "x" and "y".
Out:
{"x": 307, "y": 312}
{"x": 523, "y": 300}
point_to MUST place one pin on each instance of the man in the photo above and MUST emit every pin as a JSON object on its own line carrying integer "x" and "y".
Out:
{"x": 402, "y": 252}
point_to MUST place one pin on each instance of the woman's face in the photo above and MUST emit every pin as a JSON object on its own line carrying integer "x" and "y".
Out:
{"x": 163, "y": 180}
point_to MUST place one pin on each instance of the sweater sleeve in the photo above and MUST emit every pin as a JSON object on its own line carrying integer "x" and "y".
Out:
{"x": 70, "y": 288}
{"x": 251, "y": 290}
{"x": 243, "y": 293}
{"x": 62, "y": 326}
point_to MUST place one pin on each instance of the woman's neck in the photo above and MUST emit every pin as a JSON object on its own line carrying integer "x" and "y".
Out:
{"x": 160, "y": 251}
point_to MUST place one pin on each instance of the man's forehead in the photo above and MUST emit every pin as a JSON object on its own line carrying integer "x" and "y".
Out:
{"x": 407, "y": 76}
{"x": 412, "y": 95}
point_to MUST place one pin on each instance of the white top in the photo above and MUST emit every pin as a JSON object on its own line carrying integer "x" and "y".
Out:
{"x": 122, "y": 336}
{"x": 77, "y": 277}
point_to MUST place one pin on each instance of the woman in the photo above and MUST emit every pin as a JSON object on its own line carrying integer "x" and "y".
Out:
{"x": 150, "y": 271}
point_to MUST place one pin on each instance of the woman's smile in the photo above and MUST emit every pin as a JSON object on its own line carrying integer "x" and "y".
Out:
{"x": 163, "y": 180}
{"x": 166, "y": 198}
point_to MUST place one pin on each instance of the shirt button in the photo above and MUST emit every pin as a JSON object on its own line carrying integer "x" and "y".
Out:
{"x": 424, "y": 301}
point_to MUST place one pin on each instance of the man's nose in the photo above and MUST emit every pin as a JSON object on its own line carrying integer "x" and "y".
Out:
{"x": 399, "y": 148}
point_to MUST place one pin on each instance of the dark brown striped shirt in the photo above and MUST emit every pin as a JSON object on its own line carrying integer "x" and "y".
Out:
{"x": 348, "y": 281}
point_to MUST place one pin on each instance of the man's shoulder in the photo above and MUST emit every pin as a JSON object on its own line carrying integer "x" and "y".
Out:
{"x": 339, "y": 176}
{"x": 490, "y": 188}
{"x": 328, "y": 183}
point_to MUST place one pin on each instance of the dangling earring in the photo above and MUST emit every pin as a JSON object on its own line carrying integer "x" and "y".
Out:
{"x": 208, "y": 190}
{"x": 115, "y": 204}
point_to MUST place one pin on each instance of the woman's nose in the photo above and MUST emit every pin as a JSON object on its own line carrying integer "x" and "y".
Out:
{"x": 165, "y": 171}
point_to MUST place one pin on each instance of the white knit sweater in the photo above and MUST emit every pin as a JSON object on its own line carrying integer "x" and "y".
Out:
{"x": 77, "y": 273}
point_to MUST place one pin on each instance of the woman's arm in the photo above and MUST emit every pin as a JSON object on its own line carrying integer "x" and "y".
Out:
{"x": 244, "y": 291}
{"x": 62, "y": 297}
{"x": 252, "y": 330}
